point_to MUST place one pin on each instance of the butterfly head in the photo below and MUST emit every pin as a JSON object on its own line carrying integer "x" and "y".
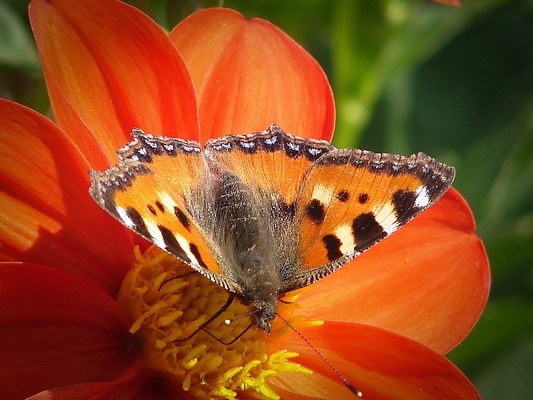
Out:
{"x": 263, "y": 311}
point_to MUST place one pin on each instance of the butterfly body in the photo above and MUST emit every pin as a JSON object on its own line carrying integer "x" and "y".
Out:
{"x": 236, "y": 217}
{"x": 265, "y": 213}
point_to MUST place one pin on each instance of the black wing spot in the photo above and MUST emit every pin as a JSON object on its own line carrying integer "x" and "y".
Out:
{"x": 362, "y": 198}
{"x": 316, "y": 211}
{"x": 172, "y": 244}
{"x": 404, "y": 204}
{"x": 160, "y": 206}
{"x": 333, "y": 246}
{"x": 367, "y": 231}
{"x": 182, "y": 218}
{"x": 138, "y": 222}
{"x": 196, "y": 253}
{"x": 343, "y": 196}
{"x": 152, "y": 209}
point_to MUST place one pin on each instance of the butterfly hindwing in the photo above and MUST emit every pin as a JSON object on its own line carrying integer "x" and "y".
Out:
{"x": 148, "y": 191}
{"x": 352, "y": 199}
{"x": 272, "y": 161}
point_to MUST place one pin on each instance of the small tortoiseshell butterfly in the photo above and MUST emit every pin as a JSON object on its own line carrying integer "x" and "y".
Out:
{"x": 265, "y": 213}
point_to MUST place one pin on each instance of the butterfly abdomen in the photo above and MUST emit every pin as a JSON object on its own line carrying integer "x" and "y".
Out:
{"x": 248, "y": 244}
{"x": 246, "y": 240}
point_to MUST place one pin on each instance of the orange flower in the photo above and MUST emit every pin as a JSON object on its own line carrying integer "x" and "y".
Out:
{"x": 384, "y": 322}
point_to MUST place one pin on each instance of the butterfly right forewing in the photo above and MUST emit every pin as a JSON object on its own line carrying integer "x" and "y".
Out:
{"x": 352, "y": 199}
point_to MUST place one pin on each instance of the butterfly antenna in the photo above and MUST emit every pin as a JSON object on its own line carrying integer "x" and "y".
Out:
{"x": 352, "y": 388}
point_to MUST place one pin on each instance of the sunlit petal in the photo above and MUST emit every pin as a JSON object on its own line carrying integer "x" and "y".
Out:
{"x": 46, "y": 214}
{"x": 379, "y": 363}
{"x": 110, "y": 68}
{"x": 248, "y": 74}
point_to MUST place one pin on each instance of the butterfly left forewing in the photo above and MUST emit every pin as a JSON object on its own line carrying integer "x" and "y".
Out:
{"x": 149, "y": 192}
{"x": 352, "y": 199}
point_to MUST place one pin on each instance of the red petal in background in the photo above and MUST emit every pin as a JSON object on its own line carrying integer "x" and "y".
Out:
{"x": 429, "y": 281}
{"x": 144, "y": 385}
{"x": 57, "y": 329}
{"x": 46, "y": 214}
{"x": 248, "y": 74}
{"x": 379, "y": 363}
{"x": 110, "y": 68}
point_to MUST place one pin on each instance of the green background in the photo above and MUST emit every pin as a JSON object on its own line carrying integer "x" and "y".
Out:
{"x": 408, "y": 76}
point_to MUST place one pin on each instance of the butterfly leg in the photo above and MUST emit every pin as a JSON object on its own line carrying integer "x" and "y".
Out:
{"x": 285, "y": 301}
{"x": 232, "y": 341}
{"x": 176, "y": 277}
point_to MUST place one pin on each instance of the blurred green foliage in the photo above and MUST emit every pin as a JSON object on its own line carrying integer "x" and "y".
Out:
{"x": 408, "y": 76}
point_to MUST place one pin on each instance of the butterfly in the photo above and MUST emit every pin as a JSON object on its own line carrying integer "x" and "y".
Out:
{"x": 265, "y": 213}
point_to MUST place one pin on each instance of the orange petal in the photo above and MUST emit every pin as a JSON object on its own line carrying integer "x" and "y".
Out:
{"x": 57, "y": 329}
{"x": 429, "y": 281}
{"x": 46, "y": 214}
{"x": 248, "y": 74}
{"x": 110, "y": 68}
{"x": 379, "y": 363}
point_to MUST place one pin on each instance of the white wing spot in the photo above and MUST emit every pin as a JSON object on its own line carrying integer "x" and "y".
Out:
{"x": 155, "y": 234}
{"x": 385, "y": 215}
{"x": 125, "y": 217}
{"x": 293, "y": 146}
{"x": 323, "y": 194}
{"x": 167, "y": 201}
{"x": 422, "y": 197}
{"x": 345, "y": 234}
{"x": 185, "y": 245}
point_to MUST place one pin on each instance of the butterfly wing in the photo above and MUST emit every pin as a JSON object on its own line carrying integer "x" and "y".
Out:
{"x": 352, "y": 199}
{"x": 148, "y": 192}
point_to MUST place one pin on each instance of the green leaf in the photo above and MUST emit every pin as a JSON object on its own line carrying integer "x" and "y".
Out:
{"x": 509, "y": 376}
{"x": 17, "y": 49}
{"x": 500, "y": 326}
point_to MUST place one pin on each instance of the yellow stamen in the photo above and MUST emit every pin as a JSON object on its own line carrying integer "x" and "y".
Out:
{"x": 168, "y": 303}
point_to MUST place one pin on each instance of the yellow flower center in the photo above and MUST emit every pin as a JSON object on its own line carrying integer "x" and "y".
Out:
{"x": 169, "y": 303}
